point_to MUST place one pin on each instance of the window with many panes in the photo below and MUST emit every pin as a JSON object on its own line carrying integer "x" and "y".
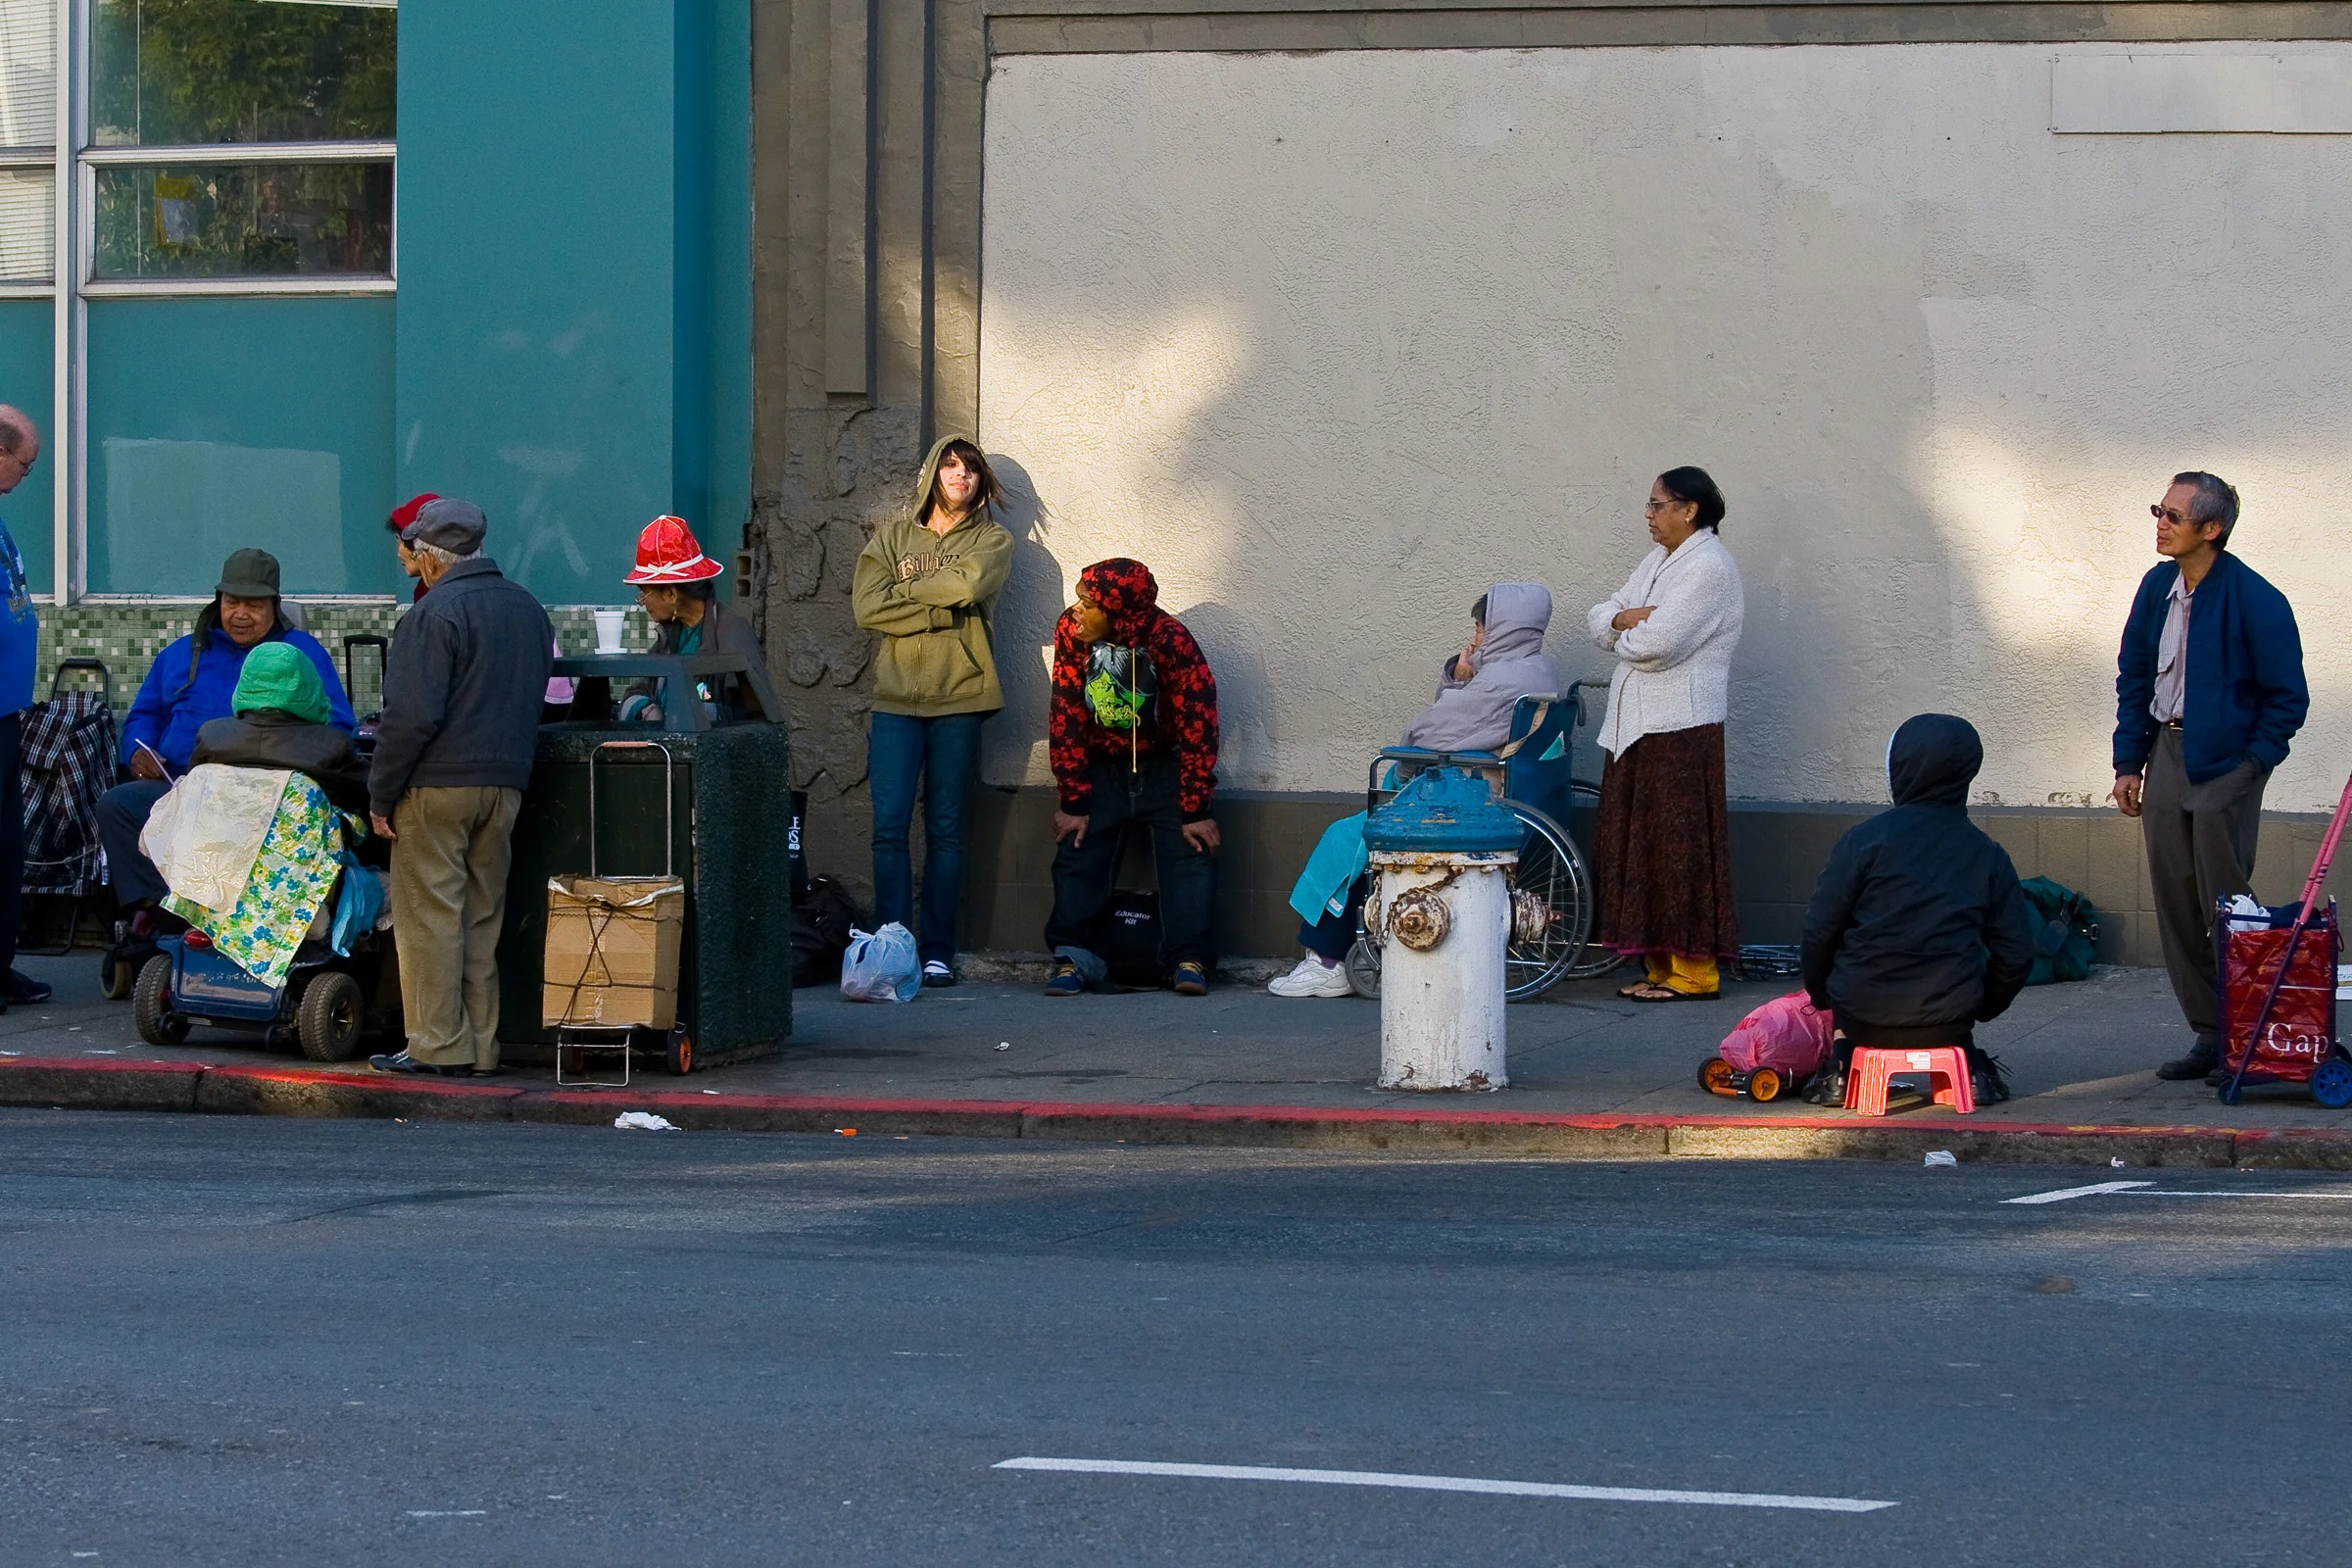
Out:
{"x": 240, "y": 139}
{"x": 158, "y": 148}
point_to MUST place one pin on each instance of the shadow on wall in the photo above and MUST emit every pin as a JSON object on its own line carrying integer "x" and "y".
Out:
{"x": 1032, "y": 602}
{"x": 1874, "y": 256}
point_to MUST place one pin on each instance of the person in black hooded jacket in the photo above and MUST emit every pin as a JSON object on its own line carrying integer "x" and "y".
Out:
{"x": 1917, "y": 930}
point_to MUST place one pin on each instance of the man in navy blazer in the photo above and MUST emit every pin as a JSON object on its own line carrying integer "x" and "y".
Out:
{"x": 2209, "y": 691}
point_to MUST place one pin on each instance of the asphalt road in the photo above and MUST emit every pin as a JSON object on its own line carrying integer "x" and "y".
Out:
{"x": 243, "y": 1340}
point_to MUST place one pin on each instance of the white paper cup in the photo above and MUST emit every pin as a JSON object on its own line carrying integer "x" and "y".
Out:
{"x": 608, "y": 629}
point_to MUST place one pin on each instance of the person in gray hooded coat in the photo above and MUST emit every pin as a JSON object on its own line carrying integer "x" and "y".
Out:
{"x": 1483, "y": 683}
{"x": 1477, "y": 692}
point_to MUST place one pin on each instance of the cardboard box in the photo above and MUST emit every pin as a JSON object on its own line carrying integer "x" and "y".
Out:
{"x": 613, "y": 951}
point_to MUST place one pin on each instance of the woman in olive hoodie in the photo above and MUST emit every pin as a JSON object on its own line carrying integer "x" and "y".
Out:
{"x": 928, "y": 583}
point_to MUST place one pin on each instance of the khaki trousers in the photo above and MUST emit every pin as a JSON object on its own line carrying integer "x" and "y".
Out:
{"x": 449, "y": 897}
{"x": 2200, "y": 840}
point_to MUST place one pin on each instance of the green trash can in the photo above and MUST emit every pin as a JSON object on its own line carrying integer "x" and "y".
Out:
{"x": 728, "y": 812}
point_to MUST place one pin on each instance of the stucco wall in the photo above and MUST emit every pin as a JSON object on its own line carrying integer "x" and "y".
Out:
{"x": 1333, "y": 341}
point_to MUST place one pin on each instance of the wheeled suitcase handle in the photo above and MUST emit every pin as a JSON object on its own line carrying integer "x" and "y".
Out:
{"x": 669, "y": 806}
{"x": 106, "y": 679}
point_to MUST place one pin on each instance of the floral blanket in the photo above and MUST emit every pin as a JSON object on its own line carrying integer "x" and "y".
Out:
{"x": 300, "y": 857}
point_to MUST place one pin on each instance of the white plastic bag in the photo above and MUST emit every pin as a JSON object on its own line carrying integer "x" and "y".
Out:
{"x": 881, "y": 965}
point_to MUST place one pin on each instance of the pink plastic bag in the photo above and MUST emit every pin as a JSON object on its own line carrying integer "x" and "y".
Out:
{"x": 1787, "y": 1034}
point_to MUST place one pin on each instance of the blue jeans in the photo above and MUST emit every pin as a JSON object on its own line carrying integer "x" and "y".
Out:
{"x": 940, "y": 756}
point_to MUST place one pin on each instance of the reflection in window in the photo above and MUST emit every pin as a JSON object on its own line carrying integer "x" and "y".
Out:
{"x": 178, "y": 73}
{"x": 28, "y": 225}
{"x": 27, "y": 72}
{"x": 244, "y": 221}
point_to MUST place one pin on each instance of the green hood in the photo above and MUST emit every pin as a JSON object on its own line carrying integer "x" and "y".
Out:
{"x": 922, "y": 480}
{"x": 276, "y": 675}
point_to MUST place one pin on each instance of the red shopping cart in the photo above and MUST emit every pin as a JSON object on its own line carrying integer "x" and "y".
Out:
{"x": 2278, "y": 989}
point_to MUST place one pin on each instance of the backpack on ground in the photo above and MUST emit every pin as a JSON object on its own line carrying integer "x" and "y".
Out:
{"x": 2066, "y": 932}
{"x": 1130, "y": 939}
{"x": 821, "y": 922}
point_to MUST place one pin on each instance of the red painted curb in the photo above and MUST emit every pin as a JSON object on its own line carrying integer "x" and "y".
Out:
{"x": 269, "y": 1089}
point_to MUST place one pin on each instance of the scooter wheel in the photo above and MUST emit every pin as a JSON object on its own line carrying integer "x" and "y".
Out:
{"x": 1715, "y": 1077}
{"x": 2331, "y": 1083}
{"x": 151, "y": 1004}
{"x": 1763, "y": 1086}
{"x": 117, "y": 978}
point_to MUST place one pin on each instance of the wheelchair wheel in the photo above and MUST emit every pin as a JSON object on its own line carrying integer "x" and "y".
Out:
{"x": 1596, "y": 960}
{"x": 1553, "y": 869}
{"x": 1363, "y": 969}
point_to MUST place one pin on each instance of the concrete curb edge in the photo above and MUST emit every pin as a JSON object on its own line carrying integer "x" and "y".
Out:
{"x": 67, "y": 1084}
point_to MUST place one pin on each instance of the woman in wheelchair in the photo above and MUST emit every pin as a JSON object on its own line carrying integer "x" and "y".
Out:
{"x": 251, "y": 862}
{"x": 279, "y": 718}
{"x": 1477, "y": 692}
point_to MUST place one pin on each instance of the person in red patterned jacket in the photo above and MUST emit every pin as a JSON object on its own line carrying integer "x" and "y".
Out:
{"x": 1133, "y": 727}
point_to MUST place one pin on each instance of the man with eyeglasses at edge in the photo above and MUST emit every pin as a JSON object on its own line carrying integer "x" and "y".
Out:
{"x": 2209, "y": 691}
{"x": 19, "y": 653}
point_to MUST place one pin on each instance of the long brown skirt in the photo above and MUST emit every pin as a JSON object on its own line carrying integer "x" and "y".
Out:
{"x": 1662, "y": 850}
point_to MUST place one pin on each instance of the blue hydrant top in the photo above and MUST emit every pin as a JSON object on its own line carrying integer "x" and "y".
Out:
{"x": 1444, "y": 811}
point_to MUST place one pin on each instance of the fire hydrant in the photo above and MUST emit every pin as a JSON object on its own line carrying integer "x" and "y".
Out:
{"x": 1441, "y": 909}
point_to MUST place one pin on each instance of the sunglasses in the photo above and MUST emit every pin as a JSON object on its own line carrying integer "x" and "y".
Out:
{"x": 2166, "y": 515}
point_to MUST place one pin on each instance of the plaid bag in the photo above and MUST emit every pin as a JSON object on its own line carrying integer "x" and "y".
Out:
{"x": 69, "y": 761}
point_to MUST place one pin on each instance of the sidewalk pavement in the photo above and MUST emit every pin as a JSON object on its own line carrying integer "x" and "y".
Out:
{"x": 1591, "y": 1075}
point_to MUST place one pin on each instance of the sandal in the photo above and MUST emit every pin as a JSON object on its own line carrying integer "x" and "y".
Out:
{"x": 1646, "y": 992}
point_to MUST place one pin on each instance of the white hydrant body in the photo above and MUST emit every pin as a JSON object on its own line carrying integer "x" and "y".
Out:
{"x": 1442, "y": 1000}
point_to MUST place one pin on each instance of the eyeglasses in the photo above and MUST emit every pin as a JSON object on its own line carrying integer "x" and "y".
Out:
{"x": 23, "y": 464}
{"x": 1650, "y": 509}
{"x": 2168, "y": 515}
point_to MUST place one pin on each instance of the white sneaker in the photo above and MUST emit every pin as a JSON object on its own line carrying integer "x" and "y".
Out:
{"x": 1313, "y": 978}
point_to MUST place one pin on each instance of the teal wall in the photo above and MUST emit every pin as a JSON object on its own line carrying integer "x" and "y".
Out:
{"x": 573, "y": 334}
{"x": 216, "y": 423}
{"x": 28, "y": 380}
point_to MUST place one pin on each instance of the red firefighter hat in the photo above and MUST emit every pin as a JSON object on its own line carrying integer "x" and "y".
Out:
{"x": 667, "y": 551}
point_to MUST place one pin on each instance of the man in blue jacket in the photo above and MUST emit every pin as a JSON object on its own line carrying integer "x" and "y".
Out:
{"x": 19, "y": 653}
{"x": 190, "y": 685}
{"x": 2209, "y": 691}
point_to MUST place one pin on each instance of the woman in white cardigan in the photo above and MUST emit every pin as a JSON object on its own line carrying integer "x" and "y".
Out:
{"x": 1662, "y": 850}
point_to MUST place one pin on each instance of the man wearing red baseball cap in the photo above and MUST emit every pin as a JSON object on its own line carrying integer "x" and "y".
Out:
{"x": 677, "y": 585}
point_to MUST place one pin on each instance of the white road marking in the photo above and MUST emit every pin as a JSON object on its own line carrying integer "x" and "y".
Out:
{"x": 447, "y": 1513}
{"x": 2166, "y": 1192}
{"x": 1506, "y": 1488}
{"x": 2151, "y": 1189}
{"x": 2062, "y": 1194}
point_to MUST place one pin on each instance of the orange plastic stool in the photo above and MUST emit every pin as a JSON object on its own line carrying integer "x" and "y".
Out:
{"x": 1946, "y": 1067}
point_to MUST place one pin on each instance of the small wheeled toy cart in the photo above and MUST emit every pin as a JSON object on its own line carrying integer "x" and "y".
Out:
{"x": 1775, "y": 1050}
{"x": 1760, "y": 1084}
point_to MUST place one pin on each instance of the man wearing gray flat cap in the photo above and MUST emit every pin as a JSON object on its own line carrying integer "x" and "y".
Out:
{"x": 462, "y": 686}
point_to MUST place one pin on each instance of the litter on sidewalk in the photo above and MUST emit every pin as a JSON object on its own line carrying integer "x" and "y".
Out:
{"x": 643, "y": 1121}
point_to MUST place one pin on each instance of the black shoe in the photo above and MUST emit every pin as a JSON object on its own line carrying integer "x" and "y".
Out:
{"x": 2203, "y": 1057}
{"x": 403, "y": 1062}
{"x": 21, "y": 987}
{"x": 1986, "y": 1084}
{"x": 1828, "y": 1086}
{"x": 1066, "y": 981}
{"x": 936, "y": 973}
{"x": 2218, "y": 1077}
